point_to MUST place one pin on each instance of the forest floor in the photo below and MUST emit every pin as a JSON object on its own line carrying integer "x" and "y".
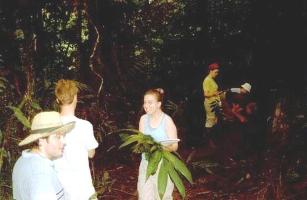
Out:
{"x": 229, "y": 171}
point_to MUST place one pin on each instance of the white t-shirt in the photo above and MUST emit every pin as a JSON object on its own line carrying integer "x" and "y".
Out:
{"x": 73, "y": 168}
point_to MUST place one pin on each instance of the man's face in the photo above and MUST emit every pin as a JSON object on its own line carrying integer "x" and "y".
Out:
{"x": 215, "y": 72}
{"x": 53, "y": 146}
{"x": 243, "y": 91}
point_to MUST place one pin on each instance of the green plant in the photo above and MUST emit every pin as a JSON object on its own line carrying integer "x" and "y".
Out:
{"x": 3, "y": 81}
{"x": 216, "y": 107}
{"x": 20, "y": 116}
{"x": 104, "y": 183}
{"x": 171, "y": 164}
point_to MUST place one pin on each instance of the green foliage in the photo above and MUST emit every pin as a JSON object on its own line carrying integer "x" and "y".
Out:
{"x": 143, "y": 144}
{"x": 19, "y": 34}
{"x": 81, "y": 86}
{"x": 178, "y": 165}
{"x": 35, "y": 105}
{"x": 162, "y": 177}
{"x": 2, "y": 155}
{"x": 67, "y": 29}
{"x": 3, "y": 81}
{"x": 292, "y": 176}
{"x": 170, "y": 165}
{"x": 154, "y": 161}
{"x": 104, "y": 183}
{"x": 216, "y": 107}
{"x": 1, "y": 136}
{"x": 176, "y": 180}
{"x": 20, "y": 116}
{"x": 205, "y": 164}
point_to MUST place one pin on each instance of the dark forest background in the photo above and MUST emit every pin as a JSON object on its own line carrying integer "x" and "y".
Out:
{"x": 117, "y": 49}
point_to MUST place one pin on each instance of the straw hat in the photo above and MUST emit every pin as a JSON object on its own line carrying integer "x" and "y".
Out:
{"x": 247, "y": 87}
{"x": 45, "y": 124}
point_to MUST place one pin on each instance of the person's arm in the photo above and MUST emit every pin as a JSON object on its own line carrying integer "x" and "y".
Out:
{"x": 171, "y": 132}
{"x": 208, "y": 94}
{"x": 141, "y": 124}
{"x": 236, "y": 110}
{"x": 235, "y": 90}
{"x": 91, "y": 153}
{"x": 90, "y": 140}
{"x": 208, "y": 89}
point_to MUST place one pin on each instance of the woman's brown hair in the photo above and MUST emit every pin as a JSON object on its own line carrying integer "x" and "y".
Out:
{"x": 158, "y": 93}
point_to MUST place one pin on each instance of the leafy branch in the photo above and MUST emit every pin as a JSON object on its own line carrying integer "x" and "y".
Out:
{"x": 171, "y": 166}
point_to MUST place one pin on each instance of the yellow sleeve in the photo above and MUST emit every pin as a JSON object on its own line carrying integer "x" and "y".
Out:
{"x": 209, "y": 86}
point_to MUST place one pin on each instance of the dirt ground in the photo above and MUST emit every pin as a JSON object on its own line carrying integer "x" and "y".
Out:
{"x": 227, "y": 171}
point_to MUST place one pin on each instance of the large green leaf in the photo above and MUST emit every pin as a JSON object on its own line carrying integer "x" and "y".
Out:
{"x": 144, "y": 143}
{"x": 129, "y": 140}
{"x": 36, "y": 105}
{"x": 143, "y": 137}
{"x": 149, "y": 140}
{"x": 177, "y": 181}
{"x": 179, "y": 165}
{"x": 2, "y": 85}
{"x": 124, "y": 136}
{"x": 1, "y": 136}
{"x": 162, "y": 178}
{"x": 2, "y": 155}
{"x": 2, "y": 79}
{"x": 153, "y": 148}
{"x": 20, "y": 116}
{"x": 153, "y": 163}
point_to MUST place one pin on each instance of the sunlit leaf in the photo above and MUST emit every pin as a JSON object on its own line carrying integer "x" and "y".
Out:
{"x": 2, "y": 85}
{"x": 2, "y": 82}
{"x": 124, "y": 136}
{"x": 177, "y": 181}
{"x": 153, "y": 163}
{"x": 2, "y": 154}
{"x": 1, "y": 136}
{"x": 179, "y": 165}
{"x": 36, "y": 106}
{"x": 129, "y": 140}
{"x": 162, "y": 178}
{"x": 19, "y": 34}
{"x": 20, "y": 116}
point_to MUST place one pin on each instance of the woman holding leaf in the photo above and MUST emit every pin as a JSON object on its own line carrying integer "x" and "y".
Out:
{"x": 162, "y": 129}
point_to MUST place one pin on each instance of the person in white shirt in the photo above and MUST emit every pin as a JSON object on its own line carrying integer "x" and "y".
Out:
{"x": 245, "y": 88}
{"x": 34, "y": 177}
{"x": 236, "y": 99}
{"x": 73, "y": 168}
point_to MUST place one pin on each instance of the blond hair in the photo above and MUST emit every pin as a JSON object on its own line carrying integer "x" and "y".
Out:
{"x": 65, "y": 91}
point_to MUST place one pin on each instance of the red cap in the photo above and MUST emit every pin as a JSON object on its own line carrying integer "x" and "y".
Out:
{"x": 214, "y": 66}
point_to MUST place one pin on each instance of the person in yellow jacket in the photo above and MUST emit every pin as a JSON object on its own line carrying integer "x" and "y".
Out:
{"x": 212, "y": 98}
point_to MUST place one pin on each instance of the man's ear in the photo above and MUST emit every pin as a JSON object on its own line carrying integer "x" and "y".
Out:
{"x": 41, "y": 141}
{"x": 57, "y": 100}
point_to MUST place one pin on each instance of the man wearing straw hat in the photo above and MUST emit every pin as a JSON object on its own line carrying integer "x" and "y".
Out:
{"x": 244, "y": 89}
{"x": 34, "y": 176}
{"x": 240, "y": 96}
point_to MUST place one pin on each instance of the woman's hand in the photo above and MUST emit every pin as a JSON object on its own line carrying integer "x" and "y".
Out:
{"x": 170, "y": 147}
